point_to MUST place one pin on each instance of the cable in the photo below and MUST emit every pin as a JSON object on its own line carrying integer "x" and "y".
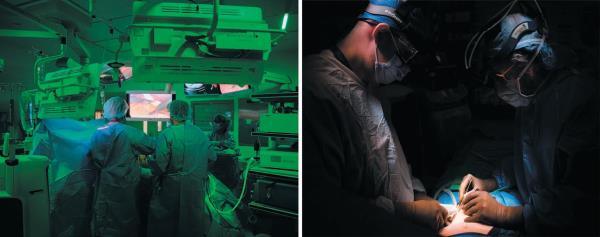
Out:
{"x": 222, "y": 212}
{"x": 118, "y": 50}
{"x": 511, "y": 5}
{"x": 449, "y": 193}
{"x": 480, "y": 35}
{"x": 542, "y": 16}
{"x": 479, "y": 32}
{"x": 215, "y": 20}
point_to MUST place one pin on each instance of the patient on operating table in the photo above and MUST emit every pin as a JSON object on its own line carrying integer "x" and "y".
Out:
{"x": 458, "y": 222}
{"x": 455, "y": 223}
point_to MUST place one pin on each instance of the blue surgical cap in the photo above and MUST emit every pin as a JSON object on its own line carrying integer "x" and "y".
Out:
{"x": 389, "y": 5}
{"x": 115, "y": 108}
{"x": 179, "y": 110}
{"x": 528, "y": 43}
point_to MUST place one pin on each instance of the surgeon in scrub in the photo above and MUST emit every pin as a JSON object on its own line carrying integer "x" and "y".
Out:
{"x": 113, "y": 150}
{"x": 180, "y": 166}
{"x": 555, "y": 165}
{"x": 370, "y": 168}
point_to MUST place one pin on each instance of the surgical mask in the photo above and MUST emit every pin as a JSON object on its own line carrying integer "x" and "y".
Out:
{"x": 218, "y": 127}
{"x": 510, "y": 95}
{"x": 386, "y": 73}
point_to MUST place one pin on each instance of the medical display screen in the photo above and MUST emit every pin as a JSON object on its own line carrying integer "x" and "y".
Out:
{"x": 208, "y": 89}
{"x": 149, "y": 106}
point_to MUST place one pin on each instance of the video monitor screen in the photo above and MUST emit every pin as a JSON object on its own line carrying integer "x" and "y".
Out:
{"x": 149, "y": 105}
{"x": 212, "y": 89}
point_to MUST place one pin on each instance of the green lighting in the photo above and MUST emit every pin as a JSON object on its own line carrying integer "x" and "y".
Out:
{"x": 285, "y": 20}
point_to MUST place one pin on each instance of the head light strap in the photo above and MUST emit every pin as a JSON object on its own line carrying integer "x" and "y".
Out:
{"x": 384, "y": 11}
{"x": 516, "y": 34}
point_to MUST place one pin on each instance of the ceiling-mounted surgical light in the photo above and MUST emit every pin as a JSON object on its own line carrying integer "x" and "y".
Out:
{"x": 285, "y": 20}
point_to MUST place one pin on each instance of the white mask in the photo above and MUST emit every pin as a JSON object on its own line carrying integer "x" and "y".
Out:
{"x": 512, "y": 98}
{"x": 386, "y": 73}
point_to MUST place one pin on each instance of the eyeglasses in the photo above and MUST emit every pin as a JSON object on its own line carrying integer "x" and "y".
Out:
{"x": 404, "y": 49}
{"x": 515, "y": 72}
{"x": 402, "y": 46}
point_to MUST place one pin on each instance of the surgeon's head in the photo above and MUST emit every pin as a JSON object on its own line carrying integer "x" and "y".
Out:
{"x": 388, "y": 49}
{"x": 179, "y": 111}
{"x": 220, "y": 124}
{"x": 381, "y": 45}
{"x": 520, "y": 58}
{"x": 115, "y": 109}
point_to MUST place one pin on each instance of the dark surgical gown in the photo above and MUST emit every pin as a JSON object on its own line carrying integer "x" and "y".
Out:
{"x": 556, "y": 167}
{"x": 338, "y": 198}
{"x": 177, "y": 206}
{"x": 114, "y": 150}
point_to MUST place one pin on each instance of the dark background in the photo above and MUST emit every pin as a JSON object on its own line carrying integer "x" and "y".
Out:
{"x": 452, "y": 115}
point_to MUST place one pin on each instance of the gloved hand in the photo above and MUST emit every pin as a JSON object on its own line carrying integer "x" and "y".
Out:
{"x": 480, "y": 206}
{"x": 427, "y": 212}
{"x": 476, "y": 184}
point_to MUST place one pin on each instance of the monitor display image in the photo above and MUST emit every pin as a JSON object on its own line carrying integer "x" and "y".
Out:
{"x": 212, "y": 89}
{"x": 149, "y": 105}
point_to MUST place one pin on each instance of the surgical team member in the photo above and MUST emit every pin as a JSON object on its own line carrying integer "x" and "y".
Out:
{"x": 220, "y": 136}
{"x": 555, "y": 163}
{"x": 226, "y": 168}
{"x": 180, "y": 163}
{"x": 374, "y": 53}
{"x": 113, "y": 150}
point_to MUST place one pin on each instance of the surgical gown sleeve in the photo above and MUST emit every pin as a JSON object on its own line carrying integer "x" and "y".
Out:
{"x": 212, "y": 155}
{"x": 141, "y": 142}
{"x": 334, "y": 198}
{"x": 570, "y": 204}
{"x": 162, "y": 152}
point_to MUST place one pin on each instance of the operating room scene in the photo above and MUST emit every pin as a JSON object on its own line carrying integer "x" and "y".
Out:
{"x": 149, "y": 118}
{"x": 450, "y": 118}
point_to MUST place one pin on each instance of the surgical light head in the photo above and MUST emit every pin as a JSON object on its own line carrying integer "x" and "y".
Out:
{"x": 179, "y": 110}
{"x": 115, "y": 108}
